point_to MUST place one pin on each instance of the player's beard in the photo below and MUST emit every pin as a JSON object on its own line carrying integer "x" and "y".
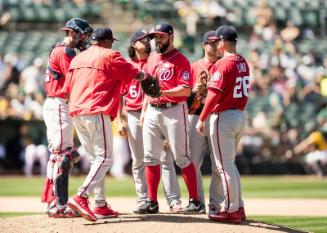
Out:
{"x": 163, "y": 48}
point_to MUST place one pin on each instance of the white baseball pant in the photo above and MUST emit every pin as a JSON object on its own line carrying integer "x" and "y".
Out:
{"x": 168, "y": 172}
{"x": 171, "y": 123}
{"x": 226, "y": 129}
{"x": 59, "y": 131}
{"x": 95, "y": 135}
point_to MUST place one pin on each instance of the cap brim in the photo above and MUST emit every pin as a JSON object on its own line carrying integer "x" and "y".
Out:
{"x": 141, "y": 37}
{"x": 213, "y": 38}
{"x": 210, "y": 40}
{"x": 151, "y": 34}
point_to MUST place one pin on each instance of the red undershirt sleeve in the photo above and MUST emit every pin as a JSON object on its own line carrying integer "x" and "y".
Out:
{"x": 213, "y": 97}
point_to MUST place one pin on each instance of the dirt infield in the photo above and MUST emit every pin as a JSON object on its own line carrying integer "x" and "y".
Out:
{"x": 129, "y": 223}
{"x": 164, "y": 222}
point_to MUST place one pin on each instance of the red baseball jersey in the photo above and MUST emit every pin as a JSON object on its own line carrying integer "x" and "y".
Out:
{"x": 198, "y": 67}
{"x": 94, "y": 81}
{"x": 230, "y": 75}
{"x": 58, "y": 64}
{"x": 132, "y": 91}
{"x": 172, "y": 70}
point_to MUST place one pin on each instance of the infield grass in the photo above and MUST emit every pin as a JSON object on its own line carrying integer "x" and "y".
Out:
{"x": 310, "y": 224}
{"x": 252, "y": 187}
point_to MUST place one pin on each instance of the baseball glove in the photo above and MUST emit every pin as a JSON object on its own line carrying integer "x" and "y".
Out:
{"x": 151, "y": 87}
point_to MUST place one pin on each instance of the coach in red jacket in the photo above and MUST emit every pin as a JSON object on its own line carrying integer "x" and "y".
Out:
{"x": 93, "y": 83}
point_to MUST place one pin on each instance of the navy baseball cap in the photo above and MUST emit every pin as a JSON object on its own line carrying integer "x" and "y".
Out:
{"x": 227, "y": 33}
{"x": 78, "y": 25}
{"x": 209, "y": 36}
{"x": 163, "y": 28}
{"x": 138, "y": 35}
{"x": 102, "y": 34}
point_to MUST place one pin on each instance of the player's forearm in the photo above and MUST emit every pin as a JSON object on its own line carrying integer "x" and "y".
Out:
{"x": 211, "y": 100}
{"x": 178, "y": 91}
{"x": 120, "y": 110}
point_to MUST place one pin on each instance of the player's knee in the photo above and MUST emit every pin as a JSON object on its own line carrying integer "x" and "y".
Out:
{"x": 151, "y": 161}
{"x": 136, "y": 165}
{"x": 183, "y": 162}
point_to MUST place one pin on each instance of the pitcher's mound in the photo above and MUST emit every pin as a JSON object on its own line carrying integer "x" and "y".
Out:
{"x": 130, "y": 223}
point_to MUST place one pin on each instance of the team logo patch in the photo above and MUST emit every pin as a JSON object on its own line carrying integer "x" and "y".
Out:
{"x": 216, "y": 76}
{"x": 186, "y": 75}
{"x": 165, "y": 74}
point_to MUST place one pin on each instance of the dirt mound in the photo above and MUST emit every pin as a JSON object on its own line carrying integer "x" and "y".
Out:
{"x": 132, "y": 224}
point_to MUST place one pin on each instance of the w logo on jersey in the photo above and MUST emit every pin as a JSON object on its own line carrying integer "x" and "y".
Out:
{"x": 165, "y": 73}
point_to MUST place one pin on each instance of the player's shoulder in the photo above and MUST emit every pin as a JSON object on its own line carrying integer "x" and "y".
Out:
{"x": 70, "y": 52}
{"x": 180, "y": 55}
{"x": 181, "y": 59}
{"x": 113, "y": 54}
{"x": 229, "y": 60}
{"x": 232, "y": 59}
{"x": 63, "y": 50}
{"x": 196, "y": 63}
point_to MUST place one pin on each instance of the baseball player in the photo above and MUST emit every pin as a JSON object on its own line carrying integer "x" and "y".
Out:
{"x": 200, "y": 144}
{"x": 56, "y": 117}
{"x": 167, "y": 116}
{"x": 139, "y": 51}
{"x": 226, "y": 100}
{"x": 315, "y": 145}
{"x": 93, "y": 81}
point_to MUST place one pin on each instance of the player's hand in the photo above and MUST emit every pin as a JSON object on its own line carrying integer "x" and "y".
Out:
{"x": 199, "y": 88}
{"x": 121, "y": 129}
{"x": 201, "y": 127}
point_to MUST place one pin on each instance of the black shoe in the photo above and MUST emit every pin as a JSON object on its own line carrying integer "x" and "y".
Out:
{"x": 194, "y": 207}
{"x": 149, "y": 207}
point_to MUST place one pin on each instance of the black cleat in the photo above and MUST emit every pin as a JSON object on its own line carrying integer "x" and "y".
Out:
{"x": 149, "y": 207}
{"x": 194, "y": 207}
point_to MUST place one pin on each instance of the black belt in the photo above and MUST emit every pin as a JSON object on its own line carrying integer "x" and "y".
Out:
{"x": 164, "y": 106}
